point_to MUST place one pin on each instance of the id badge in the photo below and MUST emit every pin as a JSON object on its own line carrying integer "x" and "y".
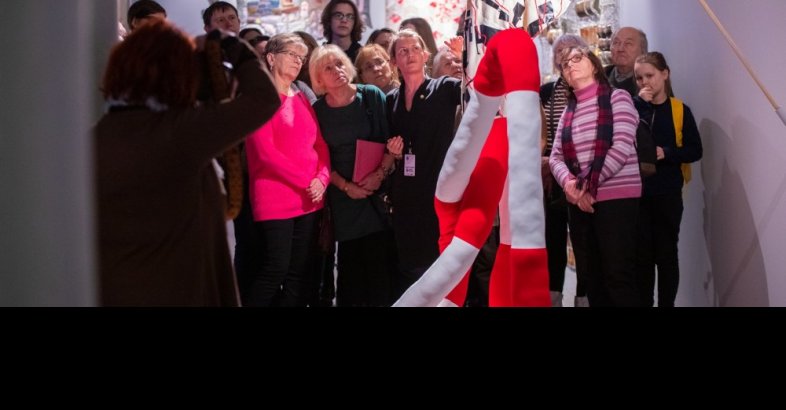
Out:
{"x": 409, "y": 165}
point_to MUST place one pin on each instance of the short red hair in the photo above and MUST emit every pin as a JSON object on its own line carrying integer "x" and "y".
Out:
{"x": 156, "y": 60}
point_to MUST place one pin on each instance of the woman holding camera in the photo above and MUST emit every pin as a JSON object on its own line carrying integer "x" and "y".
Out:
{"x": 162, "y": 238}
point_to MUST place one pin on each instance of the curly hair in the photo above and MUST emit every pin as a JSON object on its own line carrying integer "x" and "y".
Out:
{"x": 157, "y": 60}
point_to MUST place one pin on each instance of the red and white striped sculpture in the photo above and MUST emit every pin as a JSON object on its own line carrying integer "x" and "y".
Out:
{"x": 474, "y": 178}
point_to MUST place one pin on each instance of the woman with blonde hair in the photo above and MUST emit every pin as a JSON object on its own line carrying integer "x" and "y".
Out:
{"x": 289, "y": 169}
{"x": 347, "y": 114}
{"x": 422, "y": 110}
{"x": 421, "y": 26}
{"x": 373, "y": 66}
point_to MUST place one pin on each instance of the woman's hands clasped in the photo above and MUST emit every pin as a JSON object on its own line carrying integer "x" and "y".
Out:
{"x": 316, "y": 191}
{"x": 579, "y": 197}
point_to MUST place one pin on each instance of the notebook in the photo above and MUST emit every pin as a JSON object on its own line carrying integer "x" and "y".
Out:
{"x": 368, "y": 156}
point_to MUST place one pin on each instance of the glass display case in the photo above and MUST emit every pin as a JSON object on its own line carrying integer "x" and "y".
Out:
{"x": 593, "y": 20}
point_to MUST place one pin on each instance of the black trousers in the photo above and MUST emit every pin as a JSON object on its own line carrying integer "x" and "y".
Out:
{"x": 658, "y": 233}
{"x": 556, "y": 211}
{"x": 287, "y": 276}
{"x": 248, "y": 245}
{"x": 604, "y": 244}
{"x": 480, "y": 274}
{"x": 366, "y": 270}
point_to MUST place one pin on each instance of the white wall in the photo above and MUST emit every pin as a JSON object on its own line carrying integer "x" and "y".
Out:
{"x": 187, "y": 14}
{"x": 732, "y": 239}
{"x": 53, "y": 54}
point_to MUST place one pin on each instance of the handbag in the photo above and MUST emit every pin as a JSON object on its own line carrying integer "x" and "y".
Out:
{"x": 382, "y": 206}
{"x": 326, "y": 235}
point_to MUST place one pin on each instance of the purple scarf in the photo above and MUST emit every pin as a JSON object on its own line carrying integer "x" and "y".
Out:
{"x": 605, "y": 131}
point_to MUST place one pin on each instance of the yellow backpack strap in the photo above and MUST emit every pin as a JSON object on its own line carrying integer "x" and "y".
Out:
{"x": 677, "y": 114}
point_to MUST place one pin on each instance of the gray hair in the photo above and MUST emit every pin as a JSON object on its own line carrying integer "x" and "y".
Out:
{"x": 279, "y": 42}
{"x": 566, "y": 41}
{"x": 642, "y": 38}
{"x": 440, "y": 53}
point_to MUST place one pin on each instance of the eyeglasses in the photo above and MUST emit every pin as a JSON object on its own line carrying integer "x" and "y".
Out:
{"x": 575, "y": 60}
{"x": 405, "y": 52}
{"x": 341, "y": 16}
{"x": 294, "y": 55}
{"x": 373, "y": 64}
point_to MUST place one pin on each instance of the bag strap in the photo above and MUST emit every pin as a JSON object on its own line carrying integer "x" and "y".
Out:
{"x": 367, "y": 108}
{"x": 678, "y": 115}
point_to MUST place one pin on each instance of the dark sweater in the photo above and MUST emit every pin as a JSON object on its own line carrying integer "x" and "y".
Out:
{"x": 628, "y": 85}
{"x": 668, "y": 178}
{"x": 427, "y": 130}
{"x": 364, "y": 118}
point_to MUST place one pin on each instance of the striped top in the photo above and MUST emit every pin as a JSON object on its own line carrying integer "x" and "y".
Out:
{"x": 553, "y": 108}
{"x": 620, "y": 176}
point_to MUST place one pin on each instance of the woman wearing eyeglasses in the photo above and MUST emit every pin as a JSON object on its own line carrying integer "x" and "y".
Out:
{"x": 594, "y": 160}
{"x": 288, "y": 166}
{"x": 343, "y": 26}
{"x": 373, "y": 67}
{"x": 554, "y": 99}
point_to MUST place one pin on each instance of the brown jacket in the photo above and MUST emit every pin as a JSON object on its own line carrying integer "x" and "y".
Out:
{"x": 162, "y": 237}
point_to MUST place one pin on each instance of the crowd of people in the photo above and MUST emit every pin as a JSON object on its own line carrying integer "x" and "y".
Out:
{"x": 302, "y": 114}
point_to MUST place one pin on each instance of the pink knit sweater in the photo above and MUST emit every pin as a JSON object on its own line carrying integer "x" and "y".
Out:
{"x": 284, "y": 156}
{"x": 620, "y": 175}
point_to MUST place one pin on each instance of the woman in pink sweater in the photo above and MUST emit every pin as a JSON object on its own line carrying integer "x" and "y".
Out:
{"x": 288, "y": 165}
{"x": 595, "y": 162}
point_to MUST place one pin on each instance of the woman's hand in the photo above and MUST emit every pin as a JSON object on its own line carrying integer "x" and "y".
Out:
{"x": 316, "y": 190}
{"x": 573, "y": 194}
{"x": 373, "y": 181}
{"x": 659, "y": 153}
{"x": 356, "y": 192}
{"x": 395, "y": 146}
{"x": 585, "y": 203}
{"x": 456, "y": 45}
